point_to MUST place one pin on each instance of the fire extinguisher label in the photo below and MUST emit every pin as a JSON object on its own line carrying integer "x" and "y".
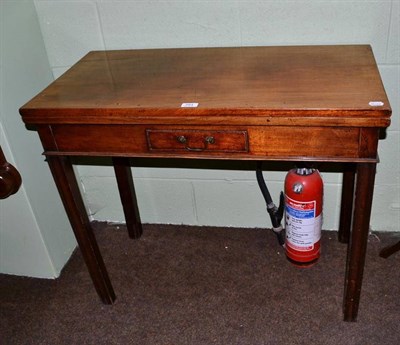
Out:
{"x": 302, "y": 225}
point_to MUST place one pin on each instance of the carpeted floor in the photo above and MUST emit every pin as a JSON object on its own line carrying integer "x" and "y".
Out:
{"x": 202, "y": 285}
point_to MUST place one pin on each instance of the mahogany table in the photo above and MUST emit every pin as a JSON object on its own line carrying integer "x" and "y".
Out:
{"x": 298, "y": 103}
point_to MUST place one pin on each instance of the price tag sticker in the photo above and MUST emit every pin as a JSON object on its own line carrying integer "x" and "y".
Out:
{"x": 189, "y": 105}
{"x": 375, "y": 103}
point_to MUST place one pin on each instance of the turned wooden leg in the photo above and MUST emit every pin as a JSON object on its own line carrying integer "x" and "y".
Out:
{"x": 127, "y": 194}
{"x": 358, "y": 241}
{"x": 346, "y": 207}
{"x": 64, "y": 177}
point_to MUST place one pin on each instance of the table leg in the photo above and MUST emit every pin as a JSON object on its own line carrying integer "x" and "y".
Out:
{"x": 358, "y": 241}
{"x": 389, "y": 250}
{"x": 346, "y": 208}
{"x": 65, "y": 180}
{"x": 127, "y": 194}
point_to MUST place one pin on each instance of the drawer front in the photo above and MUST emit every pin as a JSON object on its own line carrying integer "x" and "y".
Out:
{"x": 171, "y": 140}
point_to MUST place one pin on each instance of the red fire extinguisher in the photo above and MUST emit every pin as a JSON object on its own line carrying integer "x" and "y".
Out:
{"x": 303, "y": 215}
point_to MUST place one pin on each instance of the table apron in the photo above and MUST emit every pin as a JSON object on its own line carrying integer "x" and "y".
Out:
{"x": 218, "y": 142}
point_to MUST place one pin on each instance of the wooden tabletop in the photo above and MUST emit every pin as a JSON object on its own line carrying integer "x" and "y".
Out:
{"x": 125, "y": 85}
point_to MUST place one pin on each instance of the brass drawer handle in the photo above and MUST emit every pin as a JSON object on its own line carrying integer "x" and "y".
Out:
{"x": 210, "y": 140}
{"x": 207, "y": 140}
{"x": 182, "y": 139}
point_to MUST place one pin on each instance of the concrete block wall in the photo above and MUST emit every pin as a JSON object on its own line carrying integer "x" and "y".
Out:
{"x": 210, "y": 196}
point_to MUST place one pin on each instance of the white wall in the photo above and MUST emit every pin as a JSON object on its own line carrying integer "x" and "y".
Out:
{"x": 35, "y": 236}
{"x": 224, "y": 197}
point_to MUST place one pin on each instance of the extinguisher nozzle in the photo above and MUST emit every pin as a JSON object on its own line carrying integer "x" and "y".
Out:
{"x": 281, "y": 207}
{"x": 280, "y": 235}
{"x": 281, "y": 238}
{"x": 275, "y": 213}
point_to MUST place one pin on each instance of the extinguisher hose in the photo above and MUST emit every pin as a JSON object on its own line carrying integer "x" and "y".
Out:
{"x": 263, "y": 187}
{"x": 275, "y": 213}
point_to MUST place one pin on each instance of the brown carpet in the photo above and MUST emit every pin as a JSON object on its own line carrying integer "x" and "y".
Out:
{"x": 204, "y": 285}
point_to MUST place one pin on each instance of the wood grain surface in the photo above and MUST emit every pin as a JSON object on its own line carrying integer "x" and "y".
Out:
{"x": 250, "y": 84}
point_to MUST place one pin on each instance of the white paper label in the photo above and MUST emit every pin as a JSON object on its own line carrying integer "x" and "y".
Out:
{"x": 375, "y": 103}
{"x": 303, "y": 227}
{"x": 189, "y": 105}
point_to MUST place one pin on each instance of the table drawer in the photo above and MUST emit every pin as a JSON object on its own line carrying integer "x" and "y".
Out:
{"x": 197, "y": 140}
{"x": 147, "y": 140}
